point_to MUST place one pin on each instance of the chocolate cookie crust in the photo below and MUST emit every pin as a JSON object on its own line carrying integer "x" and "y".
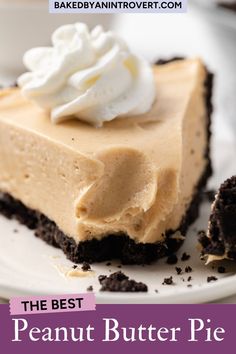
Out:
{"x": 221, "y": 238}
{"x": 112, "y": 246}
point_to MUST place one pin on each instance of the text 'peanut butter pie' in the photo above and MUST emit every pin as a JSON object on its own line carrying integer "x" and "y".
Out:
{"x": 102, "y": 154}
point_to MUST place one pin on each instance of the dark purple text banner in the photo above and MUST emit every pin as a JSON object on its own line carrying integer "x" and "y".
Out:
{"x": 120, "y": 329}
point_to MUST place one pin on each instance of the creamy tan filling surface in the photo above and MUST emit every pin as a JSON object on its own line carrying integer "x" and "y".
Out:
{"x": 134, "y": 175}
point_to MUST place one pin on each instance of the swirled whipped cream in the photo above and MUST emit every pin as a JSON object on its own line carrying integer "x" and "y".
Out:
{"x": 89, "y": 75}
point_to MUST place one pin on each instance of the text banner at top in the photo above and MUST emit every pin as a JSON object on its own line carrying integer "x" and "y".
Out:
{"x": 116, "y": 6}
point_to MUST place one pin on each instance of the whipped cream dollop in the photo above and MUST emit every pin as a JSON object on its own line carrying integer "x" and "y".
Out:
{"x": 89, "y": 75}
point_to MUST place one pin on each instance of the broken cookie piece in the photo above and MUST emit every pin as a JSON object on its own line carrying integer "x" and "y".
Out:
{"x": 119, "y": 282}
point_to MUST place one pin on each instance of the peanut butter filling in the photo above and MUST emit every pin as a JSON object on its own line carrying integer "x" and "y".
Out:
{"x": 134, "y": 175}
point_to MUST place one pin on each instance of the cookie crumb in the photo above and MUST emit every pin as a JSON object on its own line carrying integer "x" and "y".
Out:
{"x": 189, "y": 285}
{"x": 185, "y": 257}
{"x": 90, "y": 288}
{"x": 75, "y": 266}
{"x": 172, "y": 259}
{"x": 203, "y": 239}
{"x": 189, "y": 279}
{"x": 119, "y": 282}
{"x": 85, "y": 267}
{"x": 178, "y": 270}
{"x": 168, "y": 281}
{"x": 188, "y": 269}
{"x": 211, "y": 278}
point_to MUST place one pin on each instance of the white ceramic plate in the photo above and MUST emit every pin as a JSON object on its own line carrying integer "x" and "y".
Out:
{"x": 29, "y": 266}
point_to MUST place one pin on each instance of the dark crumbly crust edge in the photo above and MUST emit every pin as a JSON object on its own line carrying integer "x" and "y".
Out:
{"x": 112, "y": 246}
{"x": 221, "y": 239}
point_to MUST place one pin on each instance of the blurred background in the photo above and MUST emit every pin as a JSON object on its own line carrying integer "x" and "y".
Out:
{"x": 207, "y": 30}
